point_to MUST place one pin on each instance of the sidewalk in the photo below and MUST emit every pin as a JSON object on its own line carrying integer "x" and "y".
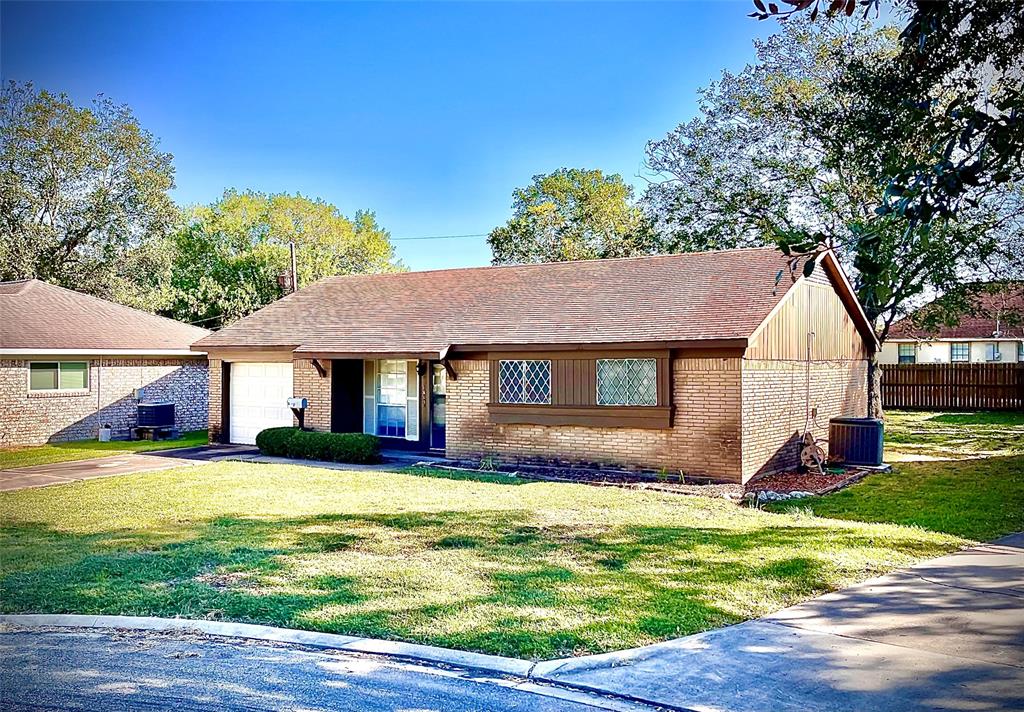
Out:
{"x": 946, "y": 634}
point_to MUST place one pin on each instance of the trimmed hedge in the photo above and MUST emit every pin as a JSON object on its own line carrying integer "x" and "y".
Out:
{"x": 355, "y": 448}
{"x": 274, "y": 441}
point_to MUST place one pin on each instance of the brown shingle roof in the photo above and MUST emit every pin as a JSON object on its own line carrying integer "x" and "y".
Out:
{"x": 979, "y": 324}
{"x": 37, "y": 315}
{"x": 669, "y": 298}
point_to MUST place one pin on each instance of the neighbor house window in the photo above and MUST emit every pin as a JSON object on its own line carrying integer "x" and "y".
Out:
{"x": 627, "y": 381}
{"x": 959, "y": 352}
{"x": 392, "y": 391}
{"x": 58, "y": 375}
{"x": 908, "y": 354}
{"x": 524, "y": 382}
{"x": 992, "y": 352}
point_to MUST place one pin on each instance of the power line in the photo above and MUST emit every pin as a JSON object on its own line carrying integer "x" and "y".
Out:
{"x": 440, "y": 237}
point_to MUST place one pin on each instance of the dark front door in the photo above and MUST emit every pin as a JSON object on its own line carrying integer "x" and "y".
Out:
{"x": 347, "y": 395}
{"x": 438, "y": 388}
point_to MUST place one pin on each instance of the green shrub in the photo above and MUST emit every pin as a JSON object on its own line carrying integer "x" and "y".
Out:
{"x": 352, "y": 447}
{"x": 308, "y": 445}
{"x": 274, "y": 441}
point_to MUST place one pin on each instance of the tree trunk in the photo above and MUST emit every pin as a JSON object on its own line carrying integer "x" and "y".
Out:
{"x": 875, "y": 388}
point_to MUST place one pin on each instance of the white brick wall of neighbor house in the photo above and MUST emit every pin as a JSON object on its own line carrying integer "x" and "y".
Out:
{"x": 31, "y": 417}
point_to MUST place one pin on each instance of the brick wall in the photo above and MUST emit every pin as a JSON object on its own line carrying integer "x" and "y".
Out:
{"x": 31, "y": 418}
{"x": 214, "y": 423}
{"x": 774, "y": 396}
{"x": 309, "y": 384}
{"x": 704, "y": 439}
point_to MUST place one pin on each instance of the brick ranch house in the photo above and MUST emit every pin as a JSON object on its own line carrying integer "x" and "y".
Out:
{"x": 70, "y": 363}
{"x": 698, "y": 362}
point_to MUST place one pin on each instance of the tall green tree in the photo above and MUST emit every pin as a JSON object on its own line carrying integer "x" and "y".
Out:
{"x": 782, "y": 153}
{"x": 225, "y": 260}
{"x": 956, "y": 85}
{"x": 572, "y": 214}
{"x": 80, "y": 187}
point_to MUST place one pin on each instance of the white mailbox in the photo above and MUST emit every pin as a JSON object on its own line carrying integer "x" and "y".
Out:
{"x": 298, "y": 403}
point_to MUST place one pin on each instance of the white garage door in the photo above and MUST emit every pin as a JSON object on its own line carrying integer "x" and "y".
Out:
{"x": 259, "y": 399}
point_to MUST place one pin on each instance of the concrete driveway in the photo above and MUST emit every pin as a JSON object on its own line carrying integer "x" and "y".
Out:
{"x": 58, "y": 473}
{"x": 947, "y": 634}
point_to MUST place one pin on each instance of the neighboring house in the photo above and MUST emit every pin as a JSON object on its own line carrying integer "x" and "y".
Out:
{"x": 694, "y": 362}
{"x": 992, "y": 333}
{"x": 70, "y": 363}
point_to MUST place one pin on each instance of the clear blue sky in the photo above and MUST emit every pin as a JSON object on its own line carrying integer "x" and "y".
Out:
{"x": 428, "y": 114}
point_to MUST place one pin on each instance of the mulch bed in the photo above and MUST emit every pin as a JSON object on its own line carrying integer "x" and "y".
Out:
{"x": 786, "y": 482}
{"x": 628, "y": 479}
{"x": 781, "y": 483}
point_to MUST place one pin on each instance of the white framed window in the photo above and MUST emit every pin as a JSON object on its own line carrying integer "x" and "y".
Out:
{"x": 58, "y": 375}
{"x": 392, "y": 394}
{"x": 960, "y": 352}
{"x": 627, "y": 381}
{"x": 908, "y": 353}
{"x": 524, "y": 382}
{"x": 992, "y": 352}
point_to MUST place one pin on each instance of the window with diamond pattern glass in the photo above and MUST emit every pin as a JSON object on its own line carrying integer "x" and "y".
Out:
{"x": 524, "y": 382}
{"x": 627, "y": 381}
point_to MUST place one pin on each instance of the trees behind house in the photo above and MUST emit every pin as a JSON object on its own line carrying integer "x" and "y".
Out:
{"x": 225, "y": 259}
{"x": 955, "y": 85}
{"x": 775, "y": 157}
{"x": 572, "y": 214}
{"x": 85, "y": 204}
{"x": 80, "y": 187}
{"x": 796, "y": 150}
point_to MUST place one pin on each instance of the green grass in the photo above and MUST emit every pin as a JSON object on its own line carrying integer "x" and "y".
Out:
{"x": 979, "y": 499}
{"x": 914, "y": 435}
{"x": 88, "y": 449}
{"x": 957, "y": 473}
{"x": 491, "y": 564}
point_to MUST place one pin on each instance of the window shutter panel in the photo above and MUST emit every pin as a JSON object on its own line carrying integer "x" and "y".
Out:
{"x": 370, "y": 397}
{"x": 412, "y": 393}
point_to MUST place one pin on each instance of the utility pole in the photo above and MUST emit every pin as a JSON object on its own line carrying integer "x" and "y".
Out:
{"x": 295, "y": 275}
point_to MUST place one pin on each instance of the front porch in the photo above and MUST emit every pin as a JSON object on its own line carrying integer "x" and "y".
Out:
{"x": 400, "y": 400}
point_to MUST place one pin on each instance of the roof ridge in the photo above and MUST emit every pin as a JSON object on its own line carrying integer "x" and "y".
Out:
{"x": 26, "y": 282}
{"x": 527, "y": 265}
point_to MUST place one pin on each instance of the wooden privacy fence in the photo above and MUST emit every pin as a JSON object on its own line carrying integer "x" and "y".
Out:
{"x": 954, "y": 386}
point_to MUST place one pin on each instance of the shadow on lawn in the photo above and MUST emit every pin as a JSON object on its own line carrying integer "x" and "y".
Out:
{"x": 542, "y": 591}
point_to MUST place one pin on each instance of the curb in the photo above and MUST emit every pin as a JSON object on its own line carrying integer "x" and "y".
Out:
{"x": 328, "y": 641}
{"x": 522, "y": 671}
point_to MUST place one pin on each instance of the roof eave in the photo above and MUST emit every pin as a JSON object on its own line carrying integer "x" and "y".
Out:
{"x": 99, "y": 352}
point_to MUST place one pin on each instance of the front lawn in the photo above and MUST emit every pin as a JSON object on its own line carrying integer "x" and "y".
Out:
{"x": 957, "y": 473}
{"x": 979, "y": 499}
{"x": 498, "y": 565}
{"x": 89, "y": 449}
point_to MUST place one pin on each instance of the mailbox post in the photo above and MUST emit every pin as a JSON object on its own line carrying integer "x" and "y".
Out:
{"x": 298, "y": 406}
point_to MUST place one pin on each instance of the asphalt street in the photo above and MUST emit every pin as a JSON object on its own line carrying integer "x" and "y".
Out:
{"x": 115, "y": 670}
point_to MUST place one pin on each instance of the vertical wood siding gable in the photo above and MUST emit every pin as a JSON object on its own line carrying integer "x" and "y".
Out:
{"x": 810, "y": 306}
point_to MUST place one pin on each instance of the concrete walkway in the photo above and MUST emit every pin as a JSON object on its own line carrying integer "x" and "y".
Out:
{"x": 58, "y": 473}
{"x": 946, "y": 634}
